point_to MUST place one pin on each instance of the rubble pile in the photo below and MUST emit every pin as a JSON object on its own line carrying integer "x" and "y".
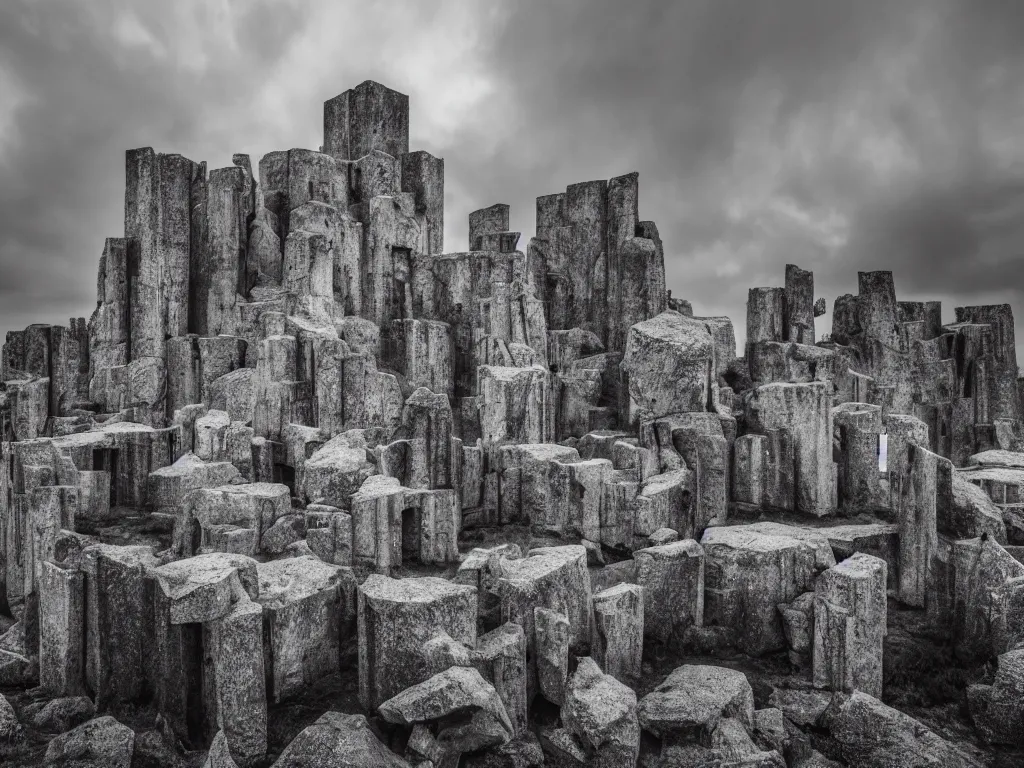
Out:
{"x": 494, "y": 507}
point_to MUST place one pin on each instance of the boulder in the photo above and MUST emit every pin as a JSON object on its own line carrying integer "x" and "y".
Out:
{"x": 219, "y": 756}
{"x": 284, "y": 532}
{"x": 870, "y": 734}
{"x": 337, "y": 469}
{"x": 798, "y": 626}
{"x": 482, "y": 719}
{"x": 338, "y": 741}
{"x": 770, "y": 729}
{"x": 60, "y": 715}
{"x": 998, "y": 709}
{"x": 972, "y": 513}
{"x": 732, "y": 742}
{"x": 662, "y": 536}
{"x": 801, "y": 707}
{"x": 99, "y": 743}
{"x": 601, "y": 713}
{"x": 669, "y": 360}
{"x": 689, "y": 702}
{"x": 523, "y": 752}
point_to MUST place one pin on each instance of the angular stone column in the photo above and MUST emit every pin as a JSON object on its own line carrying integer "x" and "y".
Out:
{"x": 765, "y": 321}
{"x": 915, "y": 494}
{"x": 303, "y": 603}
{"x": 215, "y": 287}
{"x": 421, "y": 350}
{"x": 61, "y": 630}
{"x": 118, "y": 614}
{"x": 617, "y": 635}
{"x": 575, "y": 497}
{"x": 145, "y": 265}
{"x": 366, "y": 118}
{"x": 236, "y": 644}
{"x": 396, "y": 618}
{"x": 748, "y": 471}
{"x": 551, "y": 653}
{"x": 805, "y": 412}
{"x": 51, "y": 509}
{"x": 500, "y": 657}
{"x": 849, "y": 625}
{"x": 423, "y": 176}
{"x": 515, "y": 406}
{"x": 487, "y": 221}
{"x": 749, "y": 573}
{"x": 672, "y": 577}
{"x": 859, "y": 487}
{"x": 799, "y": 305}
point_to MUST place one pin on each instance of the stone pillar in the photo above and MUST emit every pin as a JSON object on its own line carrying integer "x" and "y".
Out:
{"x": 423, "y": 176}
{"x": 849, "y": 625}
{"x": 501, "y": 658}
{"x": 799, "y": 305}
{"x": 61, "y": 630}
{"x": 487, "y": 221}
{"x": 515, "y": 406}
{"x": 422, "y": 351}
{"x": 145, "y": 268}
{"x": 617, "y": 634}
{"x": 215, "y": 287}
{"x": 805, "y": 412}
{"x": 51, "y": 509}
{"x": 551, "y": 651}
{"x": 118, "y": 615}
{"x": 860, "y": 488}
{"x": 1003, "y": 396}
{"x": 748, "y": 476}
{"x": 672, "y": 577}
{"x": 366, "y": 118}
{"x": 586, "y": 212}
{"x": 765, "y": 315}
{"x": 876, "y": 307}
{"x": 914, "y": 492}
{"x": 623, "y": 219}
{"x": 177, "y": 176}
{"x": 236, "y": 645}
{"x": 396, "y": 619}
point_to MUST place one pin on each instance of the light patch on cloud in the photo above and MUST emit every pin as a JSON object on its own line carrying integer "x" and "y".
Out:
{"x": 12, "y": 98}
{"x": 131, "y": 33}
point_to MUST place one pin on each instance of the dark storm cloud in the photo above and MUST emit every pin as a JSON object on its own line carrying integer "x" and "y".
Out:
{"x": 88, "y": 81}
{"x": 842, "y": 136}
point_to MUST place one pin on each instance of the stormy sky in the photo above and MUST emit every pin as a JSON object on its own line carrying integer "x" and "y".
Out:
{"x": 838, "y": 135}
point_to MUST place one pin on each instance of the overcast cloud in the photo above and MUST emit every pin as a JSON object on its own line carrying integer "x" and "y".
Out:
{"x": 841, "y": 136}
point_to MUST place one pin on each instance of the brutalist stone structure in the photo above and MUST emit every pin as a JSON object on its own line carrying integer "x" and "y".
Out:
{"x": 491, "y": 489}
